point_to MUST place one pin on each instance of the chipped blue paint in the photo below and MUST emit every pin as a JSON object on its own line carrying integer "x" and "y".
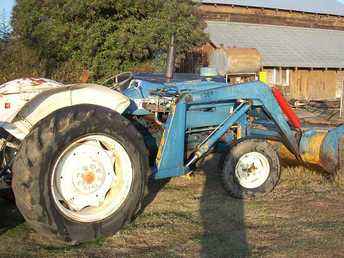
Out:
{"x": 170, "y": 162}
{"x": 219, "y": 100}
{"x": 330, "y": 150}
{"x": 222, "y": 129}
{"x": 216, "y": 106}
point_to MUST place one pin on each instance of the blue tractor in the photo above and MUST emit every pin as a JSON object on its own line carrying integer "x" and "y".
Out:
{"x": 78, "y": 157}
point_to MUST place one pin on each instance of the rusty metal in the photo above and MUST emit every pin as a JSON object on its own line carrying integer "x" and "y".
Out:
{"x": 171, "y": 59}
{"x": 236, "y": 60}
{"x": 319, "y": 147}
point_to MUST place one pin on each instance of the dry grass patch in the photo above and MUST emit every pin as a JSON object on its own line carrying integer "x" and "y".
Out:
{"x": 196, "y": 218}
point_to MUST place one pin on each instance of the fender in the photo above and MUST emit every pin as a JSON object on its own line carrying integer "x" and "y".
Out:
{"x": 51, "y": 100}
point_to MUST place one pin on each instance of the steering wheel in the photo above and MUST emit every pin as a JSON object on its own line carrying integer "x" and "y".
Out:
{"x": 119, "y": 81}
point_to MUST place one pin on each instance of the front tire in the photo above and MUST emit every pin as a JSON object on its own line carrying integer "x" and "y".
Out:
{"x": 251, "y": 168}
{"x": 80, "y": 174}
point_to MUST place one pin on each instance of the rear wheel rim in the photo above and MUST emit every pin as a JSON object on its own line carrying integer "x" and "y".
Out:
{"x": 252, "y": 170}
{"x": 91, "y": 179}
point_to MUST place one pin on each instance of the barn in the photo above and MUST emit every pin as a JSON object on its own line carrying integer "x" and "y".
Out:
{"x": 301, "y": 42}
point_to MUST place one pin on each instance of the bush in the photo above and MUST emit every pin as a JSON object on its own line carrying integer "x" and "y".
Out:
{"x": 103, "y": 36}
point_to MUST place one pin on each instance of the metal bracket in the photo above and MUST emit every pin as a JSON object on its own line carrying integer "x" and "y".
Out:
{"x": 210, "y": 141}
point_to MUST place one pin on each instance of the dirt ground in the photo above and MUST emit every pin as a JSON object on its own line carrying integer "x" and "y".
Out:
{"x": 303, "y": 217}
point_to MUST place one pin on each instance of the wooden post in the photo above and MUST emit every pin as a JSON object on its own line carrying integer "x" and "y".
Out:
{"x": 342, "y": 102}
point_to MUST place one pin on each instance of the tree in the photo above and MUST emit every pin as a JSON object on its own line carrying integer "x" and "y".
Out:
{"x": 105, "y": 36}
{"x": 17, "y": 59}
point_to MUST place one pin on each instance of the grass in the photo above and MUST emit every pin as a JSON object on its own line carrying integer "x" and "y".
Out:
{"x": 196, "y": 218}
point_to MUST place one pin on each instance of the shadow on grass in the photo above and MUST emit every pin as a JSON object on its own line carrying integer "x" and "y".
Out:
{"x": 9, "y": 216}
{"x": 223, "y": 217}
{"x": 154, "y": 187}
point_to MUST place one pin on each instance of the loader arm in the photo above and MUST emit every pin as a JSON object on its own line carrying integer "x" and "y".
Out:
{"x": 171, "y": 156}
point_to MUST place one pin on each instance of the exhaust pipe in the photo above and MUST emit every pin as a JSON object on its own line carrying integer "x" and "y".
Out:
{"x": 171, "y": 59}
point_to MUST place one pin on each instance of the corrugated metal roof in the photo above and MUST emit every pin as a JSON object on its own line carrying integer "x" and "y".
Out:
{"x": 283, "y": 46}
{"x": 335, "y": 7}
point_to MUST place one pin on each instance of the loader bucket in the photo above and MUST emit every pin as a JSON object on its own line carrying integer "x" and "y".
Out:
{"x": 320, "y": 147}
{"x": 332, "y": 151}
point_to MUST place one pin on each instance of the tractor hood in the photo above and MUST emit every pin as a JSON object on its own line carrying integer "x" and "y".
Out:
{"x": 154, "y": 87}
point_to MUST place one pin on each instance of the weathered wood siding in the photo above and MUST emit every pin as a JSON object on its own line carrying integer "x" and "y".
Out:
{"x": 313, "y": 84}
{"x": 195, "y": 59}
{"x": 305, "y": 84}
{"x": 340, "y": 83}
{"x": 269, "y": 16}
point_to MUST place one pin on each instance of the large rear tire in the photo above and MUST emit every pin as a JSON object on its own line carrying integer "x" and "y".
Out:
{"x": 80, "y": 174}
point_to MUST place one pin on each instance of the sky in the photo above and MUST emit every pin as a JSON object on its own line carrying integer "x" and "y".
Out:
{"x": 6, "y": 7}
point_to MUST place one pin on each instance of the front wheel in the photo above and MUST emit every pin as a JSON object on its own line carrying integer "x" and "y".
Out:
{"x": 80, "y": 174}
{"x": 251, "y": 168}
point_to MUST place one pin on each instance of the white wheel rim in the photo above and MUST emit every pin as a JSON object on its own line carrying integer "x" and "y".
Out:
{"x": 252, "y": 170}
{"x": 91, "y": 178}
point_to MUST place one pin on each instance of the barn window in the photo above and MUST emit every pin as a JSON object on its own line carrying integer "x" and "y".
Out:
{"x": 281, "y": 77}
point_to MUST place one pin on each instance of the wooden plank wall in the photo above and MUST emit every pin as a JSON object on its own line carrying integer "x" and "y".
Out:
{"x": 340, "y": 83}
{"x": 270, "y": 16}
{"x": 306, "y": 84}
{"x": 313, "y": 84}
{"x": 195, "y": 59}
